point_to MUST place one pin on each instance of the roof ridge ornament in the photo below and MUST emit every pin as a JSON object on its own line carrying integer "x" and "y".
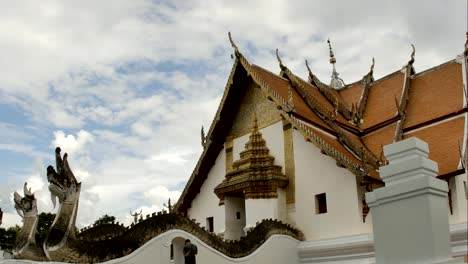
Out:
{"x": 279, "y": 60}
{"x": 311, "y": 75}
{"x": 234, "y": 46}
{"x": 336, "y": 82}
{"x": 411, "y": 61}
{"x": 203, "y": 137}
{"x": 466, "y": 45}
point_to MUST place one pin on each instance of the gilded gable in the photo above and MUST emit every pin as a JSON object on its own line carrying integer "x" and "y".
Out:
{"x": 253, "y": 101}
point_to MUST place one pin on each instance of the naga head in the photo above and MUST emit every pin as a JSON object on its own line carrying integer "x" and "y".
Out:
{"x": 25, "y": 206}
{"x": 62, "y": 183}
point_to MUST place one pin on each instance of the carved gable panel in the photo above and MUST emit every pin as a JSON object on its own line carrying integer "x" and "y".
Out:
{"x": 253, "y": 101}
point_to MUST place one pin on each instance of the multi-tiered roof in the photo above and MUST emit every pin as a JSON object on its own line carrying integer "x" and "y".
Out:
{"x": 351, "y": 123}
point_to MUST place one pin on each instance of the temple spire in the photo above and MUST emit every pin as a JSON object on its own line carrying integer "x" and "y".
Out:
{"x": 336, "y": 82}
{"x": 255, "y": 123}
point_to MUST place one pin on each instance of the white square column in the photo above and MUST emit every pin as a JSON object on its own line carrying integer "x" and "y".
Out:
{"x": 410, "y": 214}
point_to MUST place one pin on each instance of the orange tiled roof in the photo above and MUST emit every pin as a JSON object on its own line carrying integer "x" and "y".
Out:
{"x": 432, "y": 113}
{"x": 281, "y": 86}
{"x": 381, "y": 103}
{"x": 444, "y": 139}
{"x": 351, "y": 94}
{"x": 435, "y": 93}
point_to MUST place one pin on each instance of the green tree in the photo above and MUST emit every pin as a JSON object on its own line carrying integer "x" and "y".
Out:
{"x": 43, "y": 227}
{"x": 105, "y": 219}
{"x": 8, "y": 236}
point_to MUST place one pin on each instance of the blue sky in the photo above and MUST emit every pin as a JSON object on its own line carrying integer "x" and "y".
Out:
{"x": 125, "y": 86}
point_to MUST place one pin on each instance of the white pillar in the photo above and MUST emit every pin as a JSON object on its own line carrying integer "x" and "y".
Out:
{"x": 235, "y": 217}
{"x": 410, "y": 214}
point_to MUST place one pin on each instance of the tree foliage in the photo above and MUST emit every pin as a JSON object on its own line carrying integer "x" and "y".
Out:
{"x": 43, "y": 227}
{"x": 105, "y": 219}
{"x": 8, "y": 236}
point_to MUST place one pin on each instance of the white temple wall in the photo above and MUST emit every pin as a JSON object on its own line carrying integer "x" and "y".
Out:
{"x": 278, "y": 249}
{"x": 235, "y": 217}
{"x": 274, "y": 138}
{"x": 317, "y": 173}
{"x": 258, "y": 209}
{"x": 206, "y": 203}
{"x": 459, "y": 199}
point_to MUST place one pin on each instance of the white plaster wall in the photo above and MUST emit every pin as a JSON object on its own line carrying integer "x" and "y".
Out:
{"x": 273, "y": 135}
{"x": 234, "y": 226}
{"x": 317, "y": 173}
{"x": 206, "y": 203}
{"x": 459, "y": 200}
{"x": 259, "y": 209}
{"x": 278, "y": 249}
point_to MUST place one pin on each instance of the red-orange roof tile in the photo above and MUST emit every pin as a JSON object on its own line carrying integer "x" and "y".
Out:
{"x": 435, "y": 93}
{"x": 281, "y": 86}
{"x": 443, "y": 139}
{"x": 381, "y": 104}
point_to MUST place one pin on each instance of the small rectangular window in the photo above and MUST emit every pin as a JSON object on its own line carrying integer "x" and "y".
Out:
{"x": 172, "y": 251}
{"x": 209, "y": 224}
{"x": 238, "y": 215}
{"x": 320, "y": 203}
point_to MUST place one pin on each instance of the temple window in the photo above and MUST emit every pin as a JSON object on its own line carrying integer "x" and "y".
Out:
{"x": 209, "y": 224}
{"x": 238, "y": 215}
{"x": 172, "y": 251}
{"x": 320, "y": 203}
{"x": 466, "y": 190}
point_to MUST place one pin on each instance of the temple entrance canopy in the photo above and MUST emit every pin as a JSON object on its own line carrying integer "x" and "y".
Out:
{"x": 253, "y": 177}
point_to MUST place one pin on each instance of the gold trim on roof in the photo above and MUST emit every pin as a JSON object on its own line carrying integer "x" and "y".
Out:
{"x": 329, "y": 117}
{"x": 366, "y": 82}
{"x": 409, "y": 71}
{"x": 325, "y": 90}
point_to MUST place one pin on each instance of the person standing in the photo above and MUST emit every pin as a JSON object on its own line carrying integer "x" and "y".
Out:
{"x": 190, "y": 250}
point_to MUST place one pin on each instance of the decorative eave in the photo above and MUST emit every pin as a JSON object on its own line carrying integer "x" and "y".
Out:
{"x": 254, "y": 175}
{"x": 409, "y": 72}
{"x": 329, "y": 118}
{"x": 366, "y": 82}
{"x": 327, "y": 92}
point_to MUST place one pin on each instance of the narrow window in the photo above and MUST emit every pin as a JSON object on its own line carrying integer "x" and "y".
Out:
{"x": 172, "y": 251}
{"x": 209, "y": 224}
{"x": 320, "y": 203}
{"x": 466, "y": 190}
{"x": 238, "y": 216}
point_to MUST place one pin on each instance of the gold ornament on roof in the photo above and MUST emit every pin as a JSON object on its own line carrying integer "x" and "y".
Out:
{"x": 336, "y": 82}
{"x": 411, "y": 61}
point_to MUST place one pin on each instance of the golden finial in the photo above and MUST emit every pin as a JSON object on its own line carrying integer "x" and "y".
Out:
{"x": 255, "y": 123}
{"x": 234, "y": 46}
{"x": 279, "y": 60}
{"x": 332, "y": 56}
{"x": 411, "y": 61}
{"x": 336, "y": 82}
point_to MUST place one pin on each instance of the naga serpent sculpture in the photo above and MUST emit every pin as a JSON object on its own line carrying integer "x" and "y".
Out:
{"x": 64, "y": 186}
{"x": 25, "y": 244}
